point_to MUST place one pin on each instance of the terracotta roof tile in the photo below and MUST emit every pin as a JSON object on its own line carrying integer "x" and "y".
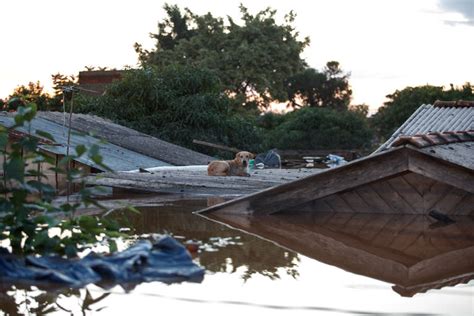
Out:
{"x": 434, "y": 139}
{"x": 456, "y": 104}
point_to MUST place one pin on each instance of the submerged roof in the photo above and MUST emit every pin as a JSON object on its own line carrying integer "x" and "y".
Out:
{"x": 115, "y": 157}
{"x": 401, "y": 180}
{"x": 132, "y": 139}
{"x": 442, "y": 116}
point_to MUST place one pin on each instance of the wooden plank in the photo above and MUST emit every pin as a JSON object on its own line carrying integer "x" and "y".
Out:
{"x": 408, "y": 193}
{"x": 391, "y": 196}
{"x": 217, "y": 146}
{"x": 355, "y": 201}
{"x": 338, "y": 204}
{"x": 329, "y": 182}
{"x": 465, "y": 206}
{"x": 435, "y": 193}
{"x": 441, "y": 170}
{"x": 418, "y": 182}
{"x": 376, "y": 203}
{"x": 447, "y": 204}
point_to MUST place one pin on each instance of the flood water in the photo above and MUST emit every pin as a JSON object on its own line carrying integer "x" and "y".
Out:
{"x": 330, "y": 264}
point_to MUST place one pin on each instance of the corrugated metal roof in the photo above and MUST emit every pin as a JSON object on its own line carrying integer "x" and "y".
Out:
{"x": 131, "y": 139}
{"x": 428, "y": 118}
{"x": 115, "y": 157}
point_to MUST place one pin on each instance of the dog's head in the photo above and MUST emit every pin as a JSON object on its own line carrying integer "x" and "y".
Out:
{"x": 243, "y": 158}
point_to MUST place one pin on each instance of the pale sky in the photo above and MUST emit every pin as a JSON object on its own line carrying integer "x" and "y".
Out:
{"x": 384, "y": 44}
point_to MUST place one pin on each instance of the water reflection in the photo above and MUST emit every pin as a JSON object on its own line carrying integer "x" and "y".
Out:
{"x": 28, "y": 300}
{"x": 222, "y": 249}
{"x": 406, "y": 250}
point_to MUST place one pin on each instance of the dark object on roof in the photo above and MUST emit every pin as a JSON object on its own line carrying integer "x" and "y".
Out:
{"x": 441, "y": 217}
{"x": 166, "y": 260}
{"x": 132, "y": 139}
{"x": 443, "y": 116}
{"x": 270, "y": 159}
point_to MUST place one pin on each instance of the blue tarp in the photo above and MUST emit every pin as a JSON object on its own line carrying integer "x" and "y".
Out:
{"x": 165, "y": 260}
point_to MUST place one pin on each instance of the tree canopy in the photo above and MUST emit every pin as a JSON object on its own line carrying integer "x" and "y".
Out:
{"x": 329, "y": 88}
{"x": 252, "y": 59}
{"x": 317, "y": 128}
{"x": 402, "y": 103}
{"x": 177, "y": 104}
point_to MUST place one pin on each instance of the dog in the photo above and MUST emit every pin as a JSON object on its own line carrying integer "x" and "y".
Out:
{"x": 236, "y": 167}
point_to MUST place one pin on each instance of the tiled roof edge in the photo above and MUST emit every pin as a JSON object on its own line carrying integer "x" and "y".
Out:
{"x": 434, "y": 139}
{"x": 455, "y": 104}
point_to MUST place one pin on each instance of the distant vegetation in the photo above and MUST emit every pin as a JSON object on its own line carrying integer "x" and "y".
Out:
{"x": 402, "y": 103}
{"x": 213, "y": 79}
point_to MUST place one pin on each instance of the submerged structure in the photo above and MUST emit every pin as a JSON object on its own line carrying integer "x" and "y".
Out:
{"x": 427, "y": 165}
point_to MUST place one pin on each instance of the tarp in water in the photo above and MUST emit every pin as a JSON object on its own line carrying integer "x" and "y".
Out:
{"x": 165, "y": 260}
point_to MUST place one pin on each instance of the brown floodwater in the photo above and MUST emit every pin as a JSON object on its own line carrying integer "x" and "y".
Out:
{"x": 323, "y": 264}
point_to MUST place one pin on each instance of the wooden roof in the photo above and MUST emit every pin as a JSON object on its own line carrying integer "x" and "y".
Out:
{"x": 407, "y": 250}
{"x": 403, "y": 180}
{"x": 131, "y": 139}
{"x": 193, "y": 180}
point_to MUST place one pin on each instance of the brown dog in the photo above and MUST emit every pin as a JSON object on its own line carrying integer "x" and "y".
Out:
{"x": 236, "y": 167}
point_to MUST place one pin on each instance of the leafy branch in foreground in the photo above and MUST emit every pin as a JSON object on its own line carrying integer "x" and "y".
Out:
{"x": 29, "y": 218}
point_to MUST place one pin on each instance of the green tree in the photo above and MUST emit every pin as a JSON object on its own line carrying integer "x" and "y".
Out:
{"x": 59, "y": 82}
{"x": 320, "y": 128}
{"x": 177, "y": 104}
{"x": 252, "y": 59}
{"x": 33, "y": 92}
{"x": 402, "y": 103}
{"x": 329, "y": 88}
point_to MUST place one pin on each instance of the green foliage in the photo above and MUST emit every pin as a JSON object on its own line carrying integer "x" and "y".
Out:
{"x": 319, "y": 128}
{"x": 252, "y": 59}
{"x": 177, "y": 104}
{"x": 404, "y": 102}
{"x": 33, "y": 92}
{"x": 329, "y": 88}
{"x": 27, "y": 211}
{"x": 59, "y": 82}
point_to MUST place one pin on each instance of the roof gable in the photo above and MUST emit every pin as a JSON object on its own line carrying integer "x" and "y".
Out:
{"x": 357, "y": 173}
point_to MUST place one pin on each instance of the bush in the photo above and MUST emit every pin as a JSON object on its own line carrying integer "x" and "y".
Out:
{"x": 27, "y": 211}
{"x": 319, "y": 128}
{"x": 177, "y": 104}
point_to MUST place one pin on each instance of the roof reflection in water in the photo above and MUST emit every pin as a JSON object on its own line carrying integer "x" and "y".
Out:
{"x": 407, "y": 250}
{"x": 223, "y": 249}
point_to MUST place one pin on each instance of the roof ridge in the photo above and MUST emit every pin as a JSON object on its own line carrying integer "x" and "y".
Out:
{"x": 455, "y": 104}
{"x": 434, "y": 138}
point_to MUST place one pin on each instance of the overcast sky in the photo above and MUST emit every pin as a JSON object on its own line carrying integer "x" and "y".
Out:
{"x": 385, "y": 45}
